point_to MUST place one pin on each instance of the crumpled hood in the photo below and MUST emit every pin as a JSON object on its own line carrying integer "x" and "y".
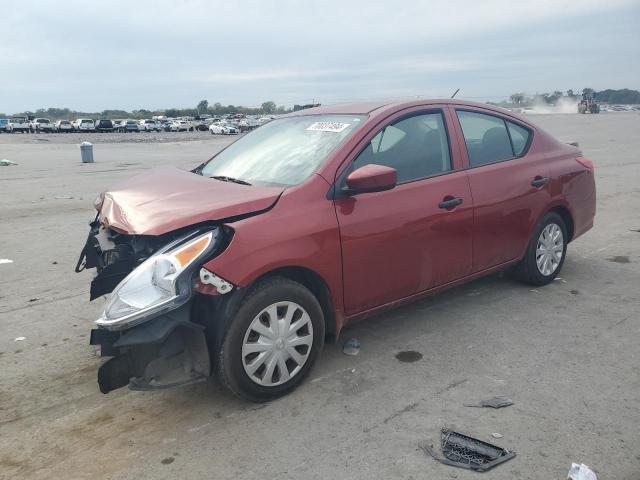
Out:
{"x": 166, "y": 198}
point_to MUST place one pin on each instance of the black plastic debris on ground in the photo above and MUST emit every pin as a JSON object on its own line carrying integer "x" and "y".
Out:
{"x": 467, "y": 452}
{"x": 495, "y": 402}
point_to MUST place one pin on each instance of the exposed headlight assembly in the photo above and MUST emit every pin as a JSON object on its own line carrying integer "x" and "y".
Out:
{"x": 161, "y": 283}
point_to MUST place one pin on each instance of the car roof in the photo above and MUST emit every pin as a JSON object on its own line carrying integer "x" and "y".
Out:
{"x": 379, "y": 107}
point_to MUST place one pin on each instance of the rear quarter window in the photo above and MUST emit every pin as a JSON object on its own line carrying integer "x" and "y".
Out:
{"x": 519, "y": 138}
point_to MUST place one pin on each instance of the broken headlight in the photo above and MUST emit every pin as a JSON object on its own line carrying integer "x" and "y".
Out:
{"x": 161, "y": 283}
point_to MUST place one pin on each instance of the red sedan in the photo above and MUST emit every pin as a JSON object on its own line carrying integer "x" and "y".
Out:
{"x": 244, "y": 266}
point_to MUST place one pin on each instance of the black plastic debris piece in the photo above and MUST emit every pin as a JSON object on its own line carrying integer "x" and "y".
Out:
{"x": 467, "y": 452}
{"x": 409, "y": 356}
{"x": 494, "y": 402}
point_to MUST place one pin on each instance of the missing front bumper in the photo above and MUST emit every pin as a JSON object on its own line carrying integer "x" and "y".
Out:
{"x": 165, "y": 352}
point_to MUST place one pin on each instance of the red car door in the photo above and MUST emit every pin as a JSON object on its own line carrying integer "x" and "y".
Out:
{"x": 416, "y": 236}
{"x": 509, "y": 185}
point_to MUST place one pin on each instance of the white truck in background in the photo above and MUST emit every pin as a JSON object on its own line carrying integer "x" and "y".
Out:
{"x": 41, "y": 125}
{"x": 18, "y": 124}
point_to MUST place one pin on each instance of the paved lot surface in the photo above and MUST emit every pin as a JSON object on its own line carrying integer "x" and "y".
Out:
{"x": 567, "y": 353}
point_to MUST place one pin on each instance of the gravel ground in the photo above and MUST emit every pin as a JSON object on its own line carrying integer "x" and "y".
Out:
{"x": 65, "y": 138}
{"x": 567, "y": 354}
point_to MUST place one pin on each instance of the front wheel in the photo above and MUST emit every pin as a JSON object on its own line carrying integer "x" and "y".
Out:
{"x": 546, "y": 251}
{"x": 272, "y": 342}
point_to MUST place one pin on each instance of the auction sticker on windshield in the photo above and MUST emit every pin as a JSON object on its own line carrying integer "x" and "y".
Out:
{"x": 335, "y": 127}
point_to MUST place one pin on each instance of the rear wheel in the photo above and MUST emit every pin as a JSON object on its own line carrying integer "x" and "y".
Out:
{"x": 272, "y": 341}
{"x": 546, "y": 251}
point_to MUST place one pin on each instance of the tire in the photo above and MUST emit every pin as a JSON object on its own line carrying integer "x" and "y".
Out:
{"x": 528, "y": 269}
{"x": 231, "y": 359}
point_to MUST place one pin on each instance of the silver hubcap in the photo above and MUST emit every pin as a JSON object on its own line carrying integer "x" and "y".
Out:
{"x": 277, "y": 344}
{"x": 550, "y": 249}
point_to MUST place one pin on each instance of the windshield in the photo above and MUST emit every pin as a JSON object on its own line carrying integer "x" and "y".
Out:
{"x": 283, "y": 152}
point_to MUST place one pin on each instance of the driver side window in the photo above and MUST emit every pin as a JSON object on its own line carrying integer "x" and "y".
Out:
{"x": 417, "y": 147}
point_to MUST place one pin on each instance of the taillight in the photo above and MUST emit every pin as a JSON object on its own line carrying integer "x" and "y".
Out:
{"x": 585, "y": 162}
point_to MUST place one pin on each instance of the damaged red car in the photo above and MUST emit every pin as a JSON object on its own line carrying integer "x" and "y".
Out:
{"x": 245, "y": 266}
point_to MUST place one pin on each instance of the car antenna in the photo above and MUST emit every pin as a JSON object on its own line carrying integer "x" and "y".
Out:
{"x": 455, "y": 93}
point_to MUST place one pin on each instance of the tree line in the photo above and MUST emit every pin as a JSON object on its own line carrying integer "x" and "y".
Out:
{"x": 203, "y": 107}
{"x": 625, "y": 96}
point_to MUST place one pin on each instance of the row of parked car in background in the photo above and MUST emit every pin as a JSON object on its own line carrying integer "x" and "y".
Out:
{"x": 216, "y": 125}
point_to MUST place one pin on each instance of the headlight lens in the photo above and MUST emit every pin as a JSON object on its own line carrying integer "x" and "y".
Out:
{"x": 158, "y": 284}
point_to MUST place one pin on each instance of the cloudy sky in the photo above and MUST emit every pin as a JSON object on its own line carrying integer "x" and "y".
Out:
{"x": 132, "y": 54}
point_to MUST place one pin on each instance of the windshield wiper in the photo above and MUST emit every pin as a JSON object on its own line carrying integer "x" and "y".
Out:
{"x": 230, "y": 179}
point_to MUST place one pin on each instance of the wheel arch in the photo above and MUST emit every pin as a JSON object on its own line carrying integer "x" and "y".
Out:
{"x": 565, "y": 214}
{"x": 317, "y": 286}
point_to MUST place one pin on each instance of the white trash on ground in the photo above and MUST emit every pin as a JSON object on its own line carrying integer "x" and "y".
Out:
{"x": 580, "y": 472}
{"x": 5, "y": 260}
{"x": 20, "y": 339}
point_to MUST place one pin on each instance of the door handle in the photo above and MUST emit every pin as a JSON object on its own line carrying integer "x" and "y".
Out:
{"x": 539, "y": 181}
{"x": 449, "y": 202}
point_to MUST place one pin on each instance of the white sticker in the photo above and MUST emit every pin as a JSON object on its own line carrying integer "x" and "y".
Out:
{"x": 335, "y": 127}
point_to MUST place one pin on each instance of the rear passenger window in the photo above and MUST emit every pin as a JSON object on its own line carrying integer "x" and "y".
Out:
{"x": 519, "y": 138}
{"x": 417, "y": 147}
{"x": 486, "y": 138}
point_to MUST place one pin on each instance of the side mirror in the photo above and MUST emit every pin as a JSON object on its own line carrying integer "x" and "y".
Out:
{"x": 371, "y": 178}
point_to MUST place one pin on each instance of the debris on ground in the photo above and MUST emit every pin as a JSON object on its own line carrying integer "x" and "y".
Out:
{"x": 5, "y": 260}
{"x": 20, "y": 339}
{"x": 409, "y": 356}
{"x": 351, "y": 347}
{"x": 34, "y": 299}
{"x": 580, "y": 472}
{"x": 467, "y": 452}
{"x": 494, "y": 402}
{"x": 6, "y": 163}
{"x": 497, "y": 435}
{"x": 63, "y": 198}
{"x": 619, "y": 259}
